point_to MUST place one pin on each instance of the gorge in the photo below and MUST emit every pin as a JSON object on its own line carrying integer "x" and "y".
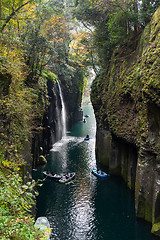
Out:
{"x": 87, "y": 207}
{"x": 47, "y": 51}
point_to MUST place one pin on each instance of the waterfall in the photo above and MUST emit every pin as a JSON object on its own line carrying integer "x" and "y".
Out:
{"x": 63, "y": 111}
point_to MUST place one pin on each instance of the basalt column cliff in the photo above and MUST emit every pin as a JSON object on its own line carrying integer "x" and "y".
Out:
{"x": 126, "y": 102}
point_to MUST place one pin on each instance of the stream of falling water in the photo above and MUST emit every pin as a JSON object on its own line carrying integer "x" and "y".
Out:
{"x": 63, "y": 112}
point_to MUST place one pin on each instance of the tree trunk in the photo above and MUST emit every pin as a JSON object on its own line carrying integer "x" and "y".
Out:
{"x": 12, "y": 14}
{"x": 135, "y": 7}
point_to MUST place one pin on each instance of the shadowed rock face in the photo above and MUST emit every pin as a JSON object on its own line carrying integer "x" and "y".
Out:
{"x": 117, "y": 155}
{"x": 52, "y": 128}
{"x": 126, "y": 101}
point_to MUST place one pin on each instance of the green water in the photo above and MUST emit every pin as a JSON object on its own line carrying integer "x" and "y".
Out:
{"x": 87, "y": 208}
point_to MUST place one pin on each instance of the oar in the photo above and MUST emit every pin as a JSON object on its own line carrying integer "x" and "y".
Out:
{"x": 44, "y": 178}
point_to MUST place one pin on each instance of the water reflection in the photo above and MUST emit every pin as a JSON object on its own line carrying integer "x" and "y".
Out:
{"x": 82, "y": 212}
{"x": 86, "y": 208}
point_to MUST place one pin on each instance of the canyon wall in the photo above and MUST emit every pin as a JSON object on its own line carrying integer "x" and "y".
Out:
{"x": 126, "y": 101}
{"x": 71, "y": 84}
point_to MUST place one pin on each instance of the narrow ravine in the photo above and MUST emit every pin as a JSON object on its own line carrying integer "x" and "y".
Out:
{"x": 86, "y": 208}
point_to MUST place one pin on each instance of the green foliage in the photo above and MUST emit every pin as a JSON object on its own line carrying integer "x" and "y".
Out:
{"x": 16, "y": 201}
{"x": 21, "y": 110}
{"x": 129, "y": 92}
{"x": 147, "y": 10}
{"x": 34, "y": 48}
{"x": 20, "y": 105}
{"x": 49, "y": 75}
{"x": 115, "y": 23}
{"x": 9, "y": 11}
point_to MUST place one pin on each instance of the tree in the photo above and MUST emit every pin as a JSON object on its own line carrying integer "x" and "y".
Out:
{"x": 9, "y": 9}
{"x": 56, "y": 31}
{"x": 115, "y": 23}
{"x": 81, "y": 48}
{"x": 147, "y": 9}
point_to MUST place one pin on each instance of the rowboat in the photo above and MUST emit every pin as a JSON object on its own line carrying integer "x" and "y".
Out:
{"x": 53, "y": 176}
{"x": 67, "y": 178}
{"x": 99, "y": 173}
{"x": 43, "y": 224}
{"x": 86, "y": 138}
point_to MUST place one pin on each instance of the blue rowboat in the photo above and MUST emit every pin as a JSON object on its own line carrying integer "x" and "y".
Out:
{"x": 99, "y": 173}
{"x": 86, "y": 138}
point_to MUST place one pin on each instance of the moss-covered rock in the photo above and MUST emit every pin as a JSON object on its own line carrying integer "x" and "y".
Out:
{"x": 156, "y": 229}
{"x": 71, "y": 81}
{"x": 126, "y": 101}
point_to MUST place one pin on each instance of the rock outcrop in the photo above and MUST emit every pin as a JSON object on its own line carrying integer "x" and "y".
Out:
{"x": 126, "y": 101}
{"x": 71, "y": 81}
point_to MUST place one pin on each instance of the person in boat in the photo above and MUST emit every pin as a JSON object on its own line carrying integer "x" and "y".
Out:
{"x": 84, "y": 120}
{"x": 67, "y": 175}
{"x": 47, "y": 171}
{"x": 87, "y": 136}
{"x": 52, "y": 173}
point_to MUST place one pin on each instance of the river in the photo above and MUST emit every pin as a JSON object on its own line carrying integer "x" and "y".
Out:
{"x": 87, "y": 208}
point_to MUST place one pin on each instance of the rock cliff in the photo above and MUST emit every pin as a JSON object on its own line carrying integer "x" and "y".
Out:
{"x": 126, "y": 101}
{"x": 71, "y": 81}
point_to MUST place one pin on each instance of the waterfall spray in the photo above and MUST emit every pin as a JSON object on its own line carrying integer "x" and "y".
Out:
{"x": 63, "y": 112}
